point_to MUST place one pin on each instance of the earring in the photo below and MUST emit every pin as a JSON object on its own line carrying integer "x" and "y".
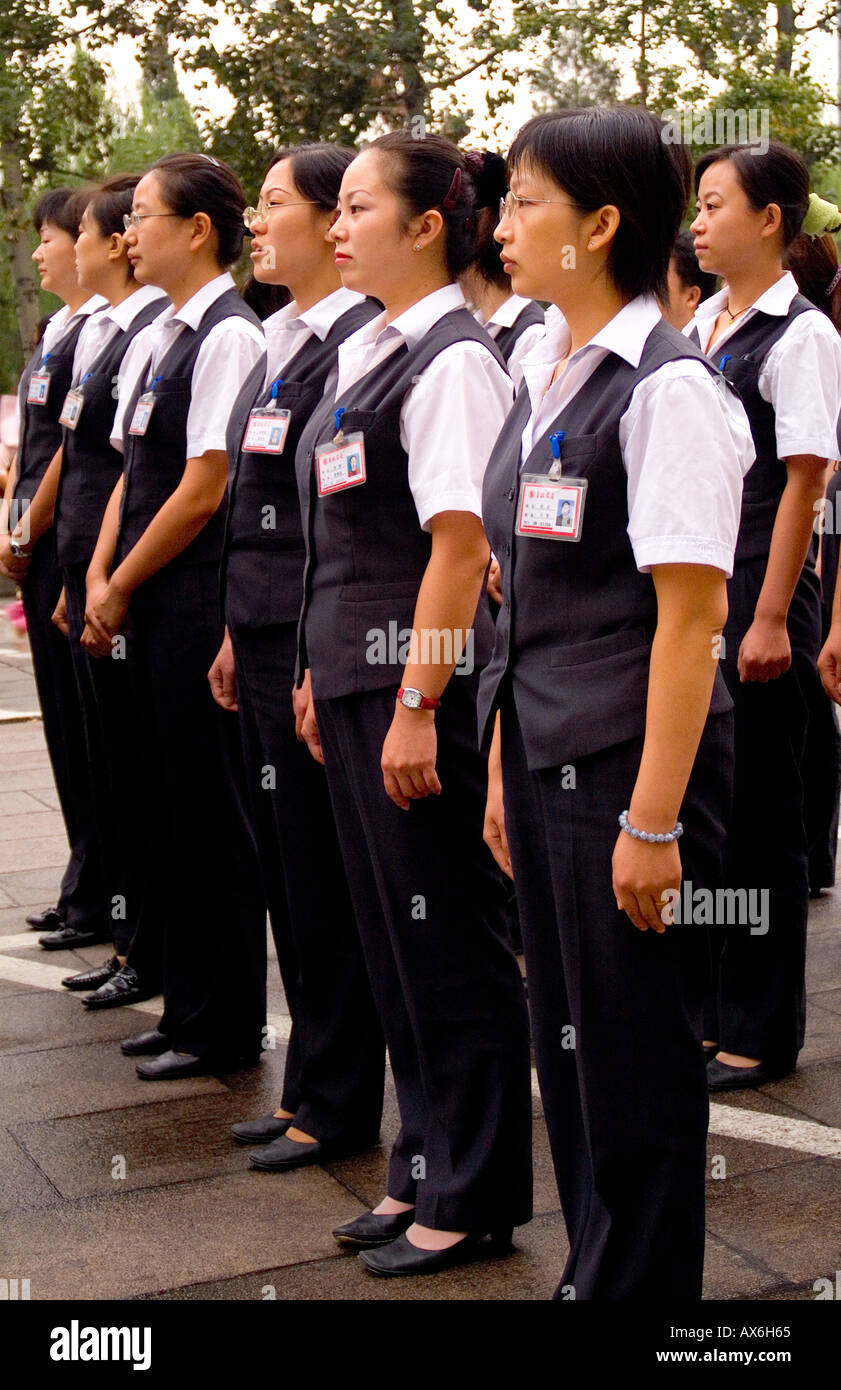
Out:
{"x": 417, "y": 246}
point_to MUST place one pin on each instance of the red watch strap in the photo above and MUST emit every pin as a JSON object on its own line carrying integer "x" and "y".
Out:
{"x": 426, "y": 701}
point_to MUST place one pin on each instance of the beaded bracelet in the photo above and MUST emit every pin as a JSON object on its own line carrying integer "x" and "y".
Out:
{"x": 664, "y": 839}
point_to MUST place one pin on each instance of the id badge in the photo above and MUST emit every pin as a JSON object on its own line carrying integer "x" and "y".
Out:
{"x": 39, "y": 388}
{"x": 72, "y": 409}
{"x": 266, "y": 431}
{"x": 142, "y": 413}
{"x": 341, "y": 466}
{"x": 551, "y": 508}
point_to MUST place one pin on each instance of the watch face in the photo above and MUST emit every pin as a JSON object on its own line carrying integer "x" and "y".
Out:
{"x": 412, "y": 699}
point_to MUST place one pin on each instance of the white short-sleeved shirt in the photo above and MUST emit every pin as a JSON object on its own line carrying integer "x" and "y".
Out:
{"x": 113, "y": 319}
{"x": 451, "y": 414}
{"x": 224, "y": 360}
{"x": 801, "y": 375}
{"x": 503, "y": 317}
{"x": 685, "y": 440}
{"x": 289, "y": 330}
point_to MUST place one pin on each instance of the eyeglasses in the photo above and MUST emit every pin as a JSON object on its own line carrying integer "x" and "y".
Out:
{"x": 263, "y": 209}
{"x": 511, "y": 203}
{"x": 134, "y": 219}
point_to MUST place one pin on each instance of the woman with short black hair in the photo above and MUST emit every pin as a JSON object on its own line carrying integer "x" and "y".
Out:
{"x": 154, "y": 579}
{"x": 604, "y": 688}
{"x": 784, "y": 356}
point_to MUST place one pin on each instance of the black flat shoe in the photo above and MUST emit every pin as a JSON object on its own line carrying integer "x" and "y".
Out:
{"x": 66, "y": 938}
{"x": 92, "y": 979}
{"x": 401, "y": 1257}
{"x": 124, "y": 987}
{"x": 721, "y": 1077}
{"x": 369, "y": 1230}
{"x": 50, "y": 920}
{"x": 284, "y": 1153}
{"x": 260, "y": 1131}
{"x": 149, "y": 1043}
{"x": 171, "y": 1065}
{"x": 710, "y": 1050}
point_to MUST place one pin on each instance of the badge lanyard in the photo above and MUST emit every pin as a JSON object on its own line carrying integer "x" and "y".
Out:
{"x": 73, "y": 404}
{"x": 551, "y": 506}
{"x": 340, "y": 464}
{"x": 39, "y": 384}
{"x": 267, "y": 426}
{"x": 143, "y": 410}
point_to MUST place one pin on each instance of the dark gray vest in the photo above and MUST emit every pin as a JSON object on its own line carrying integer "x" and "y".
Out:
{"x": 90, "y": 466}
{"x": 41, "y": 432}
{"x": 366, "y": 552}
{"x": 574, "y": 633}
{"x": 154, "y": 462}
{"x": 264, "y": 552}
{"x": 508, "y": 337}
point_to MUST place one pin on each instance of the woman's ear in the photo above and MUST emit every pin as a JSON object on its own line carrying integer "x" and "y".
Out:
{"x": 202, "y": 229}
{"x": 602, "y": 228}
{"x": 773, "y": 220}
{"x": 425, "y": 228}
{"x": 116, "y": 246}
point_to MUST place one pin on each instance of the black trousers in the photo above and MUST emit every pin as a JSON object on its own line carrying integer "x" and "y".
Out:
{"x": 616, "y": 1017}
{"x": 430, "y": 909}
{"x": 757, "y": 1003}
{"x": 204, "y": 867}
{"x": 125, "y": 791}
{"x": 82, "y": 900}
{"x": 333, "y": 1082}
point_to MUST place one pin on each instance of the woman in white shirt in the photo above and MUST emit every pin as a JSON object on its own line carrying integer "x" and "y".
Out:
{"x": 389, "y": 476}
{"x": 153, "y": 580}
{"x": 613, "y": 732}
{"x": 784, "y": 357}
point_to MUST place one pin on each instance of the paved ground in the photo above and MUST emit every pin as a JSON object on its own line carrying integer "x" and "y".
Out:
{"x": 113, "y": 1187}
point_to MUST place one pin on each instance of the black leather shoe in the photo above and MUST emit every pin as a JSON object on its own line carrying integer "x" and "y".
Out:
{"x": 150, "y": 1043}
{"x": 66, "y": 938}
{"x": 283, "y": 1154}
{"x": 710, "y": 1049}
{"x": 171, "y": 1065}
{"x": 92, "y": 979}
{"x": 721, "y": 1077}
{"x": 124, "y": 987}
{"x": 50, "y": 920}
{"x": 401, "y": 1257}
{"x": 370, "y": 1230}
{"x": 260, "y": 1131}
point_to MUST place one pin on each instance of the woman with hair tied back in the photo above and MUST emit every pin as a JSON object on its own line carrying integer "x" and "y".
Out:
{"x": 612, "y": 736}
{"x": 154, "y": 579}
{"x": 73, "y": 495}
{"x": 515, "y": 324}
{"x": 389, "y": 477}
{"x": 784, "y": 357}
{"x": 333, "y": 1080}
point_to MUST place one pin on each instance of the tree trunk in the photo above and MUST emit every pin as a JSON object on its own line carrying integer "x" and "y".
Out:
{"x": 785, "y": 38}
{"x": 16, "y": 240}
{"x": 408, "y": 46}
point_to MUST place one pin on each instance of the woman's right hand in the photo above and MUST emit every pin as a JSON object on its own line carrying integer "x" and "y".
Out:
{"x": 223, "y": 677}
{"x": 305, "y": 726}
{"x": 60, "y": 614}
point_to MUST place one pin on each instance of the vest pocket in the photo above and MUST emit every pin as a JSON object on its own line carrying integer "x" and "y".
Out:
{"x": 601, "y": 648}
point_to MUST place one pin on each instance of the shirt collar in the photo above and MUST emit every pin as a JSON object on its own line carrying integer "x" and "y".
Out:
{"x": 414, "y": 323}
{"x": 625, "y": 334}
{"x": 776, "y": 300}
{"x": 91, "y": 306}
{"x": 196, "y": 307}
{"x": 124, "y": 313}
{"x": 507, "y": 313}
{"x": 319, "y": 319}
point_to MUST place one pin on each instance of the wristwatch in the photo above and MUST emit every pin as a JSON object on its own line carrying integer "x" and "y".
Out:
{"x": 415, "y": 699}
{"x": 18, "y": 550}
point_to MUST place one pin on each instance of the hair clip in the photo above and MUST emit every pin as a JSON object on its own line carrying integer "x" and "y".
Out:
{"x": 821, "y": 216}
{"x": 836, "y": 279}
{"x": 449, "y": 202}
{"x": 475, "y": 161}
